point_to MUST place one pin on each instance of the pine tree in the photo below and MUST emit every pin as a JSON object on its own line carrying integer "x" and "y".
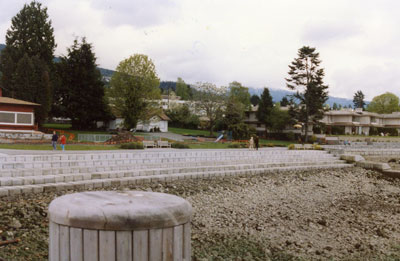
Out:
{"x": 306, "y": 78}
{"x": 358, "y": 99}
{"x": 82, "y": 87}
{"x": 29, "y": 42}
{"x": 265, "y": 109}
{"x": 284, "y": 102}
{"x": 255, "y": 100}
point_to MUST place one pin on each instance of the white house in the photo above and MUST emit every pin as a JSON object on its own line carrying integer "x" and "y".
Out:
{"x": 155, "y": 122}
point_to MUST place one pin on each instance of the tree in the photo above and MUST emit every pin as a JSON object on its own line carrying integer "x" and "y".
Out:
{"x": 182, "y": 117}
{"x": 279, "y": 118}
{"x": 29, "y": 42}
{"x": 306, "y": 77}
{"x": 255, "y": 100}
{"x": 384, "y": 103}
{"x": 335, "y": 106}
{"x": 240, "y": 94}
{"x": 182, "y": 89}
{"x": 358, "y": 100}
{"x": 234, "y": 113}
{"x": 284, "y": 102}
{"x": 81, "y": 87}
{"x": 265, "y": 109}
{"x": 210, "y": 101}
{"x": 134, "y": 87}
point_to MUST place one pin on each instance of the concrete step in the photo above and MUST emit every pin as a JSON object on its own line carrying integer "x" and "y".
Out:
{"x": 103, "y": 183}
{"x": 79, "y": 167}
{"x": 130, "y": 172}
{"x": 151, "y": 155}
{"x": 112, "y": 162}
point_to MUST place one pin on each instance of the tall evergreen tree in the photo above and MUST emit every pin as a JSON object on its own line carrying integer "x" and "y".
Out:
{"x": 306, "y": 77}
{"x": 265, "y": 109}
{"x": 255, "y": 100}
{"x": 29, "y": 42}
{"x": 82, "y": 87}
{"x": 284, "y": 102}
{"x": 358, "y": 99}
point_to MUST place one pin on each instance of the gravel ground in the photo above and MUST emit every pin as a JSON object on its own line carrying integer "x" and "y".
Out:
{"x": 349, "y": 214}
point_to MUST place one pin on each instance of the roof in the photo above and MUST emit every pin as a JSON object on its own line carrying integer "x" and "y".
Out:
{"x": 8, "y": 100}
{"x": 163, "y": 116}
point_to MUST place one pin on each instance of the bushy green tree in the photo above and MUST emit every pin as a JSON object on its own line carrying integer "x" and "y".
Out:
{"x": 182, "y": 117}
{"x": 306, "y": 77}
{"x": 81, "y": 87}
{"x": 279, "y": 119}
{"x": 384, "y": 103}
{"x": 134, "y": 87}
{"x": 334, "y": 106}
{"x": 210, "y": 101}
{"x": 29, "y": 42}
{"x": 182, "y": 89}
{"x": 240, "y": 94}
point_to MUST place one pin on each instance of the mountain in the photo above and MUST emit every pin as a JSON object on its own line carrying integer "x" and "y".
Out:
{"x": 278, "y": 94}
{"x": 2, "y": 46}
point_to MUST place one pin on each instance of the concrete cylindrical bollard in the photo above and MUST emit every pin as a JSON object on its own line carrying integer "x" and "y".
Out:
{"x": 129, "y": 225}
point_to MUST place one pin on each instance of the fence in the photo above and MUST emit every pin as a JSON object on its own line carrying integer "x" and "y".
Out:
{"x": 94, "y": 137}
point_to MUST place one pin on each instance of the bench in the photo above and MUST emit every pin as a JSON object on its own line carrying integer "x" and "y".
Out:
{"x": 149, "y": 144}
{"x": 163, "y": 144}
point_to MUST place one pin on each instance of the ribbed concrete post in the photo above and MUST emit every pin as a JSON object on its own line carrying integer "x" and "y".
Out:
{"x": 108, "y": 225}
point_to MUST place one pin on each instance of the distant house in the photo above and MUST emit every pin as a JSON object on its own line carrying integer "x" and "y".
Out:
{"x": 156, "y": 121}
{"x": 17, "y": 115}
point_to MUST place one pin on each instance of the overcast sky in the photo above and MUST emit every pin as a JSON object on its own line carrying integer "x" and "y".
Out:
{"x": 250, "y": 41}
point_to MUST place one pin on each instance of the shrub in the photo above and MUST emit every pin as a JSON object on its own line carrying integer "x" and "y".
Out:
{"x": 234, "y": 145}
{"x": 317, "y": 147}
{"x": 132, "y": 146}
{"x": 270, "y": 145}
{"x": 313, "y": 139}
{"x": 291, "y": 147}
{"x": 179, "y": 145}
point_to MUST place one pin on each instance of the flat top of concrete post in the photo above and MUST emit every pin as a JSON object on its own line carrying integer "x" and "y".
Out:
{"x": 113, "y": 210}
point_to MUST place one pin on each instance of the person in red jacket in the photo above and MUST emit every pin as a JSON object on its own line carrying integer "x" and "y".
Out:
{"x": 63, "y": 141}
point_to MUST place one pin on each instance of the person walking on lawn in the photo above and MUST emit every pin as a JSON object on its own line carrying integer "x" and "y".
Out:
{"x": 63, "y": 141}
{"x": 54, "y": 140}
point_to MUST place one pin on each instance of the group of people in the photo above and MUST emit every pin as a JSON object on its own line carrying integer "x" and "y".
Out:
{"x": 55, "y": 139}
{"x": 254, "y": 143}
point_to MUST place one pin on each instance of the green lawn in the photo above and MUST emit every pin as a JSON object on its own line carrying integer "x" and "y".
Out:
{"x": 190, "y": 132}
{"x": 59, "y": 126}
{"x": 49, "y": 147}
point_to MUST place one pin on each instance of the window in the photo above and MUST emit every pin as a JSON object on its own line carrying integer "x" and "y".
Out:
{"x": 24, "y": 118}
{"x": 7, "y": 117}
{"x": 16, "y": 118}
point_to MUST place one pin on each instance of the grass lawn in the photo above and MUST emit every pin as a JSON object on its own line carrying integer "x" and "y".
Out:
{"x": 49, "y": 147}
{"x": 190, "y": 132}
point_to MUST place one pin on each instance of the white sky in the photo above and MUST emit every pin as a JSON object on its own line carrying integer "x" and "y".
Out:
{"x": 250, "y": 41}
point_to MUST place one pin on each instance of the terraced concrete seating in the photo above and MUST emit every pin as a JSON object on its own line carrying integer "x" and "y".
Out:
{"x": 38, "y": 173}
